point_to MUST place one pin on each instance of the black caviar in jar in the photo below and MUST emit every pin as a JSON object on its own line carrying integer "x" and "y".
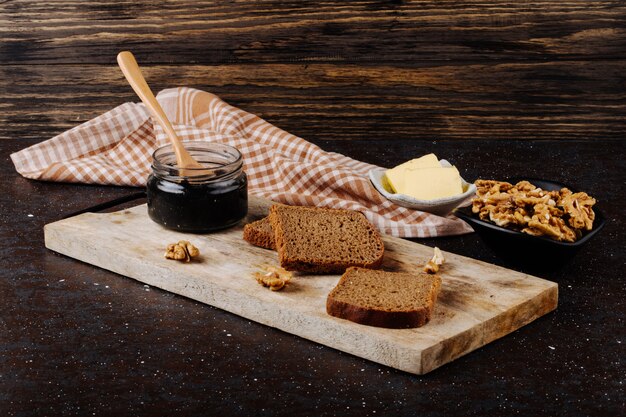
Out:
{"x": 200, "y": 199}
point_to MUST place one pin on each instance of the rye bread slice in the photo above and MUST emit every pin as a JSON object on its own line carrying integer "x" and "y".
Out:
{"x": 260, "y": 233}
{"x": 321, "y": 240}
{"x": 396, "y": 300}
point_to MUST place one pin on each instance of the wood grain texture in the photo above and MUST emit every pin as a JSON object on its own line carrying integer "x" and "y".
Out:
{"x": 423, "y": 70}
{"x": 478, "y": 302}
{"x": 578, "y": 101}
{"x": 278, "y": 31}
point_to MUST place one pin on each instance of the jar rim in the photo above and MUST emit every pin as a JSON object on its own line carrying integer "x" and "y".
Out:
{"x": 233, "y": 160}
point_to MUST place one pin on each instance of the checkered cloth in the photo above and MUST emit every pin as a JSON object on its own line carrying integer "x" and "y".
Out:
{"x": 116, "y": 148}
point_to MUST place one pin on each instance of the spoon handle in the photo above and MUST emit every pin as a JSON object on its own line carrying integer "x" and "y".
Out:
{"x": 133, "y": 75}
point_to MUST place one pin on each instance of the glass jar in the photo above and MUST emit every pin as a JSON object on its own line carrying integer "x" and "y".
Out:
{"x": 199, "y": 199}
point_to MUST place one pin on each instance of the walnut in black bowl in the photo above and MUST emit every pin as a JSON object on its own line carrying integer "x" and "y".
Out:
{"x": 522, "y": 235}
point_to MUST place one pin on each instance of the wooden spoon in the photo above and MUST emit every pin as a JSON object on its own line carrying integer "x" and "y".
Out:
{"x": 133, "y": 75}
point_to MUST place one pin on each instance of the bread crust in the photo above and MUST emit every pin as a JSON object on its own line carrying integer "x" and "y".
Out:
{"x": 255, "y": 233}
{"x": 378, "y": 318}
{"x": 319, "y": 266}
{"x": 326, "y": 267}
{"x": 383, "y": 317}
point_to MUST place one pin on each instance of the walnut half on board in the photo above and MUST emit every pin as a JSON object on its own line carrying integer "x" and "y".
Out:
{"x": 273, "y": 277}
{"x": 432, "y": 267}
{"x": 182, "y": 251}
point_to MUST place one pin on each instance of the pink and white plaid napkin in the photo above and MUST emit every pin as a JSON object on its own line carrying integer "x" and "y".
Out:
{"x": 116, "y": 148}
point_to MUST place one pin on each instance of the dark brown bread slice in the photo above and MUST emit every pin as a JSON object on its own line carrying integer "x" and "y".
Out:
{"x": 396, "y": 300}
{"x": 321, "y": 240}
{"x": 260, "y": 233}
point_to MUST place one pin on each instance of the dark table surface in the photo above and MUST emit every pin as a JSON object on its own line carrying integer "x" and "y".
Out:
{"x": 532, "y": 89}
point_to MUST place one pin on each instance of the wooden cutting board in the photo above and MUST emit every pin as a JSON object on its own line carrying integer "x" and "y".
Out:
{"x": 478, "y": 302}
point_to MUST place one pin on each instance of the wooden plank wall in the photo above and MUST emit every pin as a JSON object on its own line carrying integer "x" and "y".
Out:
{"x": 329, "y": 70}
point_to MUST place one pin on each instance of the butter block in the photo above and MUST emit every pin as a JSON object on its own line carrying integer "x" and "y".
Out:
{"x": 432, "y": 183}
{"x": 396, "y": 177}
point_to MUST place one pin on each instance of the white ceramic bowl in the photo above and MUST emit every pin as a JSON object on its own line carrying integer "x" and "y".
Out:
{"x": 439, "y": 206}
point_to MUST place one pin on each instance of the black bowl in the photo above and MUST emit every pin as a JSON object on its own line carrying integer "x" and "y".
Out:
{"x": 535, "y": 252}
